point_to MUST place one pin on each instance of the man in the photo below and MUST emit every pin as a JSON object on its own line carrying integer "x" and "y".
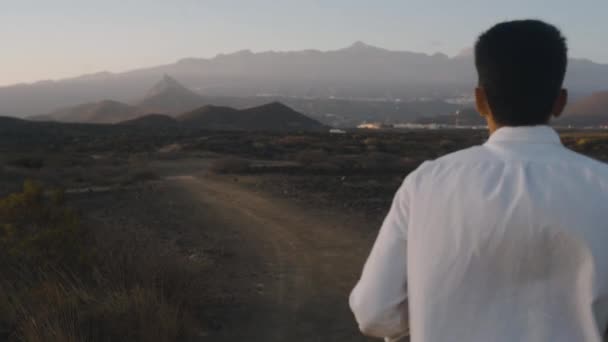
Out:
{"x": 507, "y": 241}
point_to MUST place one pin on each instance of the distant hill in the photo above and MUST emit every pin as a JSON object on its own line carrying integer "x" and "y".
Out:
{"x": 359, "y": 71}
{"x": 170, "y": 97}
{"x": 106, "y": 111}
{"x": 15, "y": 129}
{"x": 216, "y": 116}
{"x": 273, "y": 117}
{"x": 167, "y": 96}
{"x": 6, "y": 121}
{"x": 18, "y": 133}
{"x": 270, "y": 117}
{"x": 591, "y": 110}
{"x": 151, "y": 121}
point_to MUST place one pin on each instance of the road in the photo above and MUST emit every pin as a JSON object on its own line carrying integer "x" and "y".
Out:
{"x": 292, "y": 268}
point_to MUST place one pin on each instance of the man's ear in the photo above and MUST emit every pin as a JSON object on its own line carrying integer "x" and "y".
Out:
{"x": 481, "y": 102}
{"x": 560, "y": 103}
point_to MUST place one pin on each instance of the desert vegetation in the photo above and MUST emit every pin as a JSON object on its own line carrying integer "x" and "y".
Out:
{"x": 84, "y": 257}
{"x": 359, "y": 171}
{"x": 61, "y": 280}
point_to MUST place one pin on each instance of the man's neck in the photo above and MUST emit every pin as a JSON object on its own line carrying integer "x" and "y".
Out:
{"x": 493, "y": 126}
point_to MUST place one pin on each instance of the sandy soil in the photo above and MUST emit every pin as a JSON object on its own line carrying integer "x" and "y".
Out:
{"x": 281, "y": 269}
{"x": 292, "y": 268}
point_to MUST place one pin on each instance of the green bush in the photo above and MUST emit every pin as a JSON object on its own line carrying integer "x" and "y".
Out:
{"x": 583, "y": 143}
{"x": 37, "y": 228}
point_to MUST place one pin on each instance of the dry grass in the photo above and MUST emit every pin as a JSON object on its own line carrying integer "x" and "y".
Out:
{"x": 62, "y": 282}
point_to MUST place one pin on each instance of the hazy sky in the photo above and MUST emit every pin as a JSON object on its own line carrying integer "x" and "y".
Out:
{"x": 49, "y": 39}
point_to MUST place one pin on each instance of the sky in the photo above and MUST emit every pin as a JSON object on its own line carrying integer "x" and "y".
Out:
{"x": 45, "y": 39}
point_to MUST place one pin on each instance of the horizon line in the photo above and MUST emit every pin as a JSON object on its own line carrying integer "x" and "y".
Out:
{"x": 357, "y": 44}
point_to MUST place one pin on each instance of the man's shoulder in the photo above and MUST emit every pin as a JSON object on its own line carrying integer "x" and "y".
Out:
{"x": 578, "y": 158}
{"x": 484, "y": 155}
{"x": 472, "y": 154}
{"x": 466, "y": 157}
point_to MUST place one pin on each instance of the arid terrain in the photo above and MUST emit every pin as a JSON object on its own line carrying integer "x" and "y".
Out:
{"x": 205, "y": 235}
{"x": 219, "y": 170}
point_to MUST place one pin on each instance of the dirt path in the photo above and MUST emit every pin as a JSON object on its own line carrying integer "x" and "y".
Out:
{"x": 292, "y": 268}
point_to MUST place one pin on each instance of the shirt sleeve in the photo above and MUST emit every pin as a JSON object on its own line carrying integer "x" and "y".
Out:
{"x": 379, "y": 300}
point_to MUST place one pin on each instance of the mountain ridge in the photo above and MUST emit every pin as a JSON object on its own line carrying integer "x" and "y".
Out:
{"x": 590, "y": 110}
{"x": 357, "y": 71}
{"x": 104, "y": 111}
{"x": 173, "y": 97}
{"x": 168, "y": 96}
{"x": 273, "y": 116}
{"x": 151, "y": 121}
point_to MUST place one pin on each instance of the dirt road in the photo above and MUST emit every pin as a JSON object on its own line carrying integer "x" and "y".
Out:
{"x": 291, "y": 268}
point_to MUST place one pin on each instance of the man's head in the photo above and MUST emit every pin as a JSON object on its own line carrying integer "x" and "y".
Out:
{"x": 521, "y": 67}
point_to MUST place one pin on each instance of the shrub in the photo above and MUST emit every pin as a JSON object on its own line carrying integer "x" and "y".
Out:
{"x": 37, "y": 228}
{"x": 60, "y": 311}
{"x": 295, "y": 141}
{"x": 309, "y": 157}
{"x": 446, "y": 144}
{"x": 230, "y": 165}
{"x": 379, "y": 161}
{"x": 61, "y": 282}
{"x": 375, "y": 144}
{"x": 140, "y": 177}
{"x": 28, "y": 163}
{"x": 583, "y": 144}
{"x": 265, "y": 150}
{"x": 325, "y": 168}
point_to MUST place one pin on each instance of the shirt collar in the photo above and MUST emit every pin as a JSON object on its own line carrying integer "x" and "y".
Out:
{"x": 525, "y": 134}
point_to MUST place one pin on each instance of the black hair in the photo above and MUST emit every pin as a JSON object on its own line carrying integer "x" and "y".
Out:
{"x": 521, "y": 66}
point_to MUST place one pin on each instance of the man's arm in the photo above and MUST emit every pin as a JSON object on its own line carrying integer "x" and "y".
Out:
{"x": 379, "y": 301}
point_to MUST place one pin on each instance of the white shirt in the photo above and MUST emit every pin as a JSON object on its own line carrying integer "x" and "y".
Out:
{"x": 507, "y": 241}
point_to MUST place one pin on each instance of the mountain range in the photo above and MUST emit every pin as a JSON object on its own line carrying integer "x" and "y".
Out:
{"x": 167, "y": 96}
{"x": 171, "y": 98}
{"x": 169, "y": 104}
{"x": 105, "y": 111}
{"x": 359, "y": 72}
{"x": 272, "y": 117}
{"x": 269, "y": 117}
{"x": 591, "y": 110}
